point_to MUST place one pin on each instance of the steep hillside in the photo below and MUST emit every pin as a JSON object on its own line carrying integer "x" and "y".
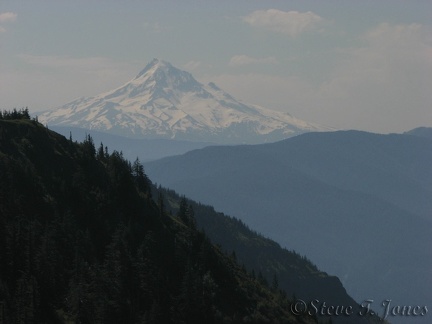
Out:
{"x": 353, "y": 202}
{"x": 294, "y": 274}
{"x": 82, "y": 241}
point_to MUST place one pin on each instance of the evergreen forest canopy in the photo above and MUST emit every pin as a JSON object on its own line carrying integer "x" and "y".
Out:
{"x": 83, "y": 240}
{"x": 15, "y": 114}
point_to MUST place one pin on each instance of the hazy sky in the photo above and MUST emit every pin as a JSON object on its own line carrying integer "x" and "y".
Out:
{"x": 347, "y": 64}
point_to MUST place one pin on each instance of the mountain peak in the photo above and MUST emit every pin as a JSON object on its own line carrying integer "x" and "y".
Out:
{"x": 163, "y": 101}
{"x": 155, "y": 65}
{"x": 162, "y": 80}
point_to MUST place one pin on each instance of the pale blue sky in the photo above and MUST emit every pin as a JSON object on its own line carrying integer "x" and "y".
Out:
{"x": 347, "y": 64}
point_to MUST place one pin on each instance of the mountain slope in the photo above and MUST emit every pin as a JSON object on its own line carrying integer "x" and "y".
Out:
{"x": 81, "y": 240}
{"x": 165, "y": 102}
{"x": 294, "y": 274}
{"x": 352, "y": 201}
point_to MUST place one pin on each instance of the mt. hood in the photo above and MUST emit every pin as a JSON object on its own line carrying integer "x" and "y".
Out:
{"x": 165, "y": 102}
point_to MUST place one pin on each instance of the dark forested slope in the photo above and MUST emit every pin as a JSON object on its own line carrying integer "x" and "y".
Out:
{"x": 83, "y": 241}
{"x": 265, "y": 259}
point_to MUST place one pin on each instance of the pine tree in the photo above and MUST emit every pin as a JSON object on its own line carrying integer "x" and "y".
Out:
{"x": 89, "y": 147}
{"x": 182, "y": 211}
{"x": 141, "y": 179}
{"x": 100, "y": 153}
{"x": 161, "y": 205}
{"x": 275, "y": 282}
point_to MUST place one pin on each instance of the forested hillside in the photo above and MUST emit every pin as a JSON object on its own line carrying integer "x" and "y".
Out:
{"x": 357, "y": 204}
{"x": 82, "y": 240}
{"x": 266, "y": 260}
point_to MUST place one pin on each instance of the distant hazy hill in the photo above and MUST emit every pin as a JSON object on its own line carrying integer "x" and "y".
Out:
{"x": 356, "y": 203}
{"x": 421, "y": 131}
{"x": 165, "y": 102}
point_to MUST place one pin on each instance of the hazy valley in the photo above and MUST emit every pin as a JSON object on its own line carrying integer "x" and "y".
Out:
{"x": 267, "y": 209}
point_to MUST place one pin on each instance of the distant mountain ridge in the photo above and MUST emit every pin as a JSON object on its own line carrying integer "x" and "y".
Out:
{"x": 352, "y": 201}
{"x": 165, "y": 102}
{"x": 421, "y": 131}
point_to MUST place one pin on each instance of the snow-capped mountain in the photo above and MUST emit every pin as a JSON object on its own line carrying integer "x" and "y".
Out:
{"x": 165, "y": 102}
